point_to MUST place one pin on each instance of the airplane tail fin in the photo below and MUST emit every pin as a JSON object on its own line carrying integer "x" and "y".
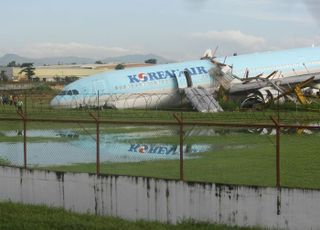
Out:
{"x": 208, "y": 54}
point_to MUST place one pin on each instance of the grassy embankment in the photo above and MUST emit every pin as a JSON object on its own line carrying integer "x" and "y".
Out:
{"x": 18, "y": 216}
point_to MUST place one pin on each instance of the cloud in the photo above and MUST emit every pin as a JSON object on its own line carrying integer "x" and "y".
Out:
{"x": 195, "y": 4}
{"x": 284, "y": 11}
{"x": 235, "y": 41}
{"x": 48, "y": 49}
{"x": 301, "y": 42}
{"x": 314, "y": 7}
{"x": 235, "y": 37}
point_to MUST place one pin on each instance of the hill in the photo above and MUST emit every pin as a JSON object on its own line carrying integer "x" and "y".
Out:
{"x": 136, "y": 58}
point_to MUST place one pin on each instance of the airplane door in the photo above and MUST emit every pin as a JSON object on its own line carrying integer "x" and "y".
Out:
{"x": 184, "y": 80}
{"x": 188, "y": 78}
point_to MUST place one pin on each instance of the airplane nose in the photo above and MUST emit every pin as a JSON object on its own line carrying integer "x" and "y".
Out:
{"x": 54, "y": 102}
{"x": 63, "y": 102}
{"x": 60, "y": 102}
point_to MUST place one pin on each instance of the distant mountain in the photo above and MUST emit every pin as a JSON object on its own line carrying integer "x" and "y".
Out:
{"x": 136, "y": 58}
{"x": 139, "y": 58}
{"x": 13, "y": 57}
{"x": 44, "y": 61}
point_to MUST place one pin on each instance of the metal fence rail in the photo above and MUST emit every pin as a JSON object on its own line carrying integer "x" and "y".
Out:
{"x": 180, "y": 136}
{"x": 82, "y": 135}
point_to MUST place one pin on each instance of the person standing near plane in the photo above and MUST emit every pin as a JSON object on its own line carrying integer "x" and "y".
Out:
{"x": 15, "y": 100}
{"x": 10, "y": 99}
{"x": 5, "y": 99}
{"x": 19, "y": 105}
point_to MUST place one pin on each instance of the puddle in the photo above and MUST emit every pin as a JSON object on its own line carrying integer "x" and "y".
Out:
{"x": 81, "y": 148}
{"x": 70, "y": 146}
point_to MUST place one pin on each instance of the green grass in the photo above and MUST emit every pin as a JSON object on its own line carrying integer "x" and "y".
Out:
{"x": 29, "y": 217}
{"x": 252, "y": 165}
{"x": 245, "y": 159}
{"x": 156, "y": 115}
{"x": 37, "y": 106}
{"x": 300, "y": 161}
{"x": 4, "y": 161}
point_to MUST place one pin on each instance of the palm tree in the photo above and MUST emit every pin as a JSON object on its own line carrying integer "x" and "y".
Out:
{"x": 28, "y": 70}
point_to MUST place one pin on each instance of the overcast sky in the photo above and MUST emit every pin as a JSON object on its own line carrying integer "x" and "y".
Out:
{"x": 175, "y": 29}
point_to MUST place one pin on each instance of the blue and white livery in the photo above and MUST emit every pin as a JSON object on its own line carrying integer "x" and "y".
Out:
{"x": 170, "y": 85}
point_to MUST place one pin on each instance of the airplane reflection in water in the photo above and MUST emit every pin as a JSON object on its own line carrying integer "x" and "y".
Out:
{"x": 77, "y": 147}
{"x": 128, "y": 147}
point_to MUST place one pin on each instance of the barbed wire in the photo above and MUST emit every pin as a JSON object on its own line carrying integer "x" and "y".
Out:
{"x": 152, "y": 106}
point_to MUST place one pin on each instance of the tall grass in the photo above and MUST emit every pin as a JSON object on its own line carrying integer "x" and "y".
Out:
{"x": 29, "y": 217}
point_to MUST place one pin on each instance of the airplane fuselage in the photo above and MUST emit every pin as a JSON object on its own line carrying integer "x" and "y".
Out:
{"x": 148, "y": 87}
{"x": 160, "y": 86}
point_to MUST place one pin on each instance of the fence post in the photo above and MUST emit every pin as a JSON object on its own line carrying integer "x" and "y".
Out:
{"x": 97, "y": 143}
{"x": 25, "y": 104}
{"x": 277, "y": 125}
{"x": 24, "y": 119}
{"x": 181, "y": 145}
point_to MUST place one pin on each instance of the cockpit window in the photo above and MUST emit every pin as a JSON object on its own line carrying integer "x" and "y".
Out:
{"x": 69, "y": 92}
{"x": 75, "y": 92}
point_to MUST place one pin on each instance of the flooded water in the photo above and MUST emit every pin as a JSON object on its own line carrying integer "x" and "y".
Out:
{"x": 72, "y": 146}
{"x": 69, "y": 147}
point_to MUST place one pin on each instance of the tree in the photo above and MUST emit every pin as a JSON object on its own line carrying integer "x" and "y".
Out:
{"x": 119, "y": 66}
{"x": 3, "y": 76}
{"x": 98, "y": 62}
{"x": 69, "y": 79}
{"x": 28, "y": 70}
{"x": 13, "y": 64}
{"x": 151, "y": 61}
{"x": 57, "y": 78}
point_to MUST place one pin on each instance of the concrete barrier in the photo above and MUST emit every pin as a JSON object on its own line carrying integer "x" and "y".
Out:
{"x": 167, "y": 201}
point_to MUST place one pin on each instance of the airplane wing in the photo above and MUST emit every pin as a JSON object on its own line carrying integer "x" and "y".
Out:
{"x": 258, "y": 89}
{"x": 286, "y": 81}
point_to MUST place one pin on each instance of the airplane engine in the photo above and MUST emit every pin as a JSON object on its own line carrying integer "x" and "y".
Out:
{"x": 261, "y": 96}
{"x": 314, "y": 92}
{"x": 316, "y": 86}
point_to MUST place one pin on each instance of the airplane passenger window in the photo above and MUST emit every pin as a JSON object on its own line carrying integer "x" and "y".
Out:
{"x": 75, "y": 92}
{"x": 69, "y": 92}
{"x": 62, "y": 93}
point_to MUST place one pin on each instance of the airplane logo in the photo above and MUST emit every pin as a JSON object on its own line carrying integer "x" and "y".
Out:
{"x": 142, "y": 76}
{"x": 153, "y": 149}
{"x": 159, "y": 75}
{"x": 141, "y": 149}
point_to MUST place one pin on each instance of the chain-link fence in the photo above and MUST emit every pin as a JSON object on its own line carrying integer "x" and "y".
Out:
{"x": 241, "y": 155}
{"x": 271, "y": 147}
{"x": 252, "y": 154}
{"x": 43, "y": 103}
